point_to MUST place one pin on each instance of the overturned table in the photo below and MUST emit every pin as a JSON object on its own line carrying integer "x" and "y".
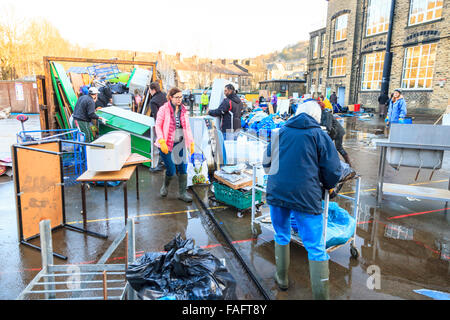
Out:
{"x": 122, "y": 175}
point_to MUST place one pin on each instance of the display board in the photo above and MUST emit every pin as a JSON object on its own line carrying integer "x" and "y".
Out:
{"x": 39, "y": 192}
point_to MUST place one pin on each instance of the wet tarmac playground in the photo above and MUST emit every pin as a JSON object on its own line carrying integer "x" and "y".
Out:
{"x": 407, "y": 240}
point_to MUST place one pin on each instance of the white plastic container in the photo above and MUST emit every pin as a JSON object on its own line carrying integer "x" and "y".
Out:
{"x": 113, "y": 156}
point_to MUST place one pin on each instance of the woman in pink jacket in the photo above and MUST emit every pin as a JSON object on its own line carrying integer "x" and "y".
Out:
{"x": 173, "y": 137}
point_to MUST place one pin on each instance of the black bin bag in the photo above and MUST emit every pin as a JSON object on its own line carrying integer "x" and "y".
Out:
{"x": 185, "y": 272}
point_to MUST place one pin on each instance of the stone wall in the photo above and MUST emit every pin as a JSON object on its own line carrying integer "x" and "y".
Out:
{"x": 430, "y": 101}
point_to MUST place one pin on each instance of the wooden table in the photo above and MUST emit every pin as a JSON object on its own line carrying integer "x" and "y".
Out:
{"x": 122, "y": 175}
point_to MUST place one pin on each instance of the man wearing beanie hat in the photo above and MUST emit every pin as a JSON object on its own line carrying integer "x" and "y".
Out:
{"x": 301, "y": 160}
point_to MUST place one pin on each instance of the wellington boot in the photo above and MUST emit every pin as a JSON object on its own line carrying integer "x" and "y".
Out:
{"x": 282, "y": 259}
{"x": 182, "y": 184}
{"x": 164, "y": 189}
{"x": 319, "y": 273}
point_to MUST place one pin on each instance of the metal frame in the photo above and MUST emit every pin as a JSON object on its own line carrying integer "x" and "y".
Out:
{"x": 385, "y": 144}
{"x": 294, "y": 236}
{"x": 47, "y": 277}
{"x": 18, "y": 193}
{"x": 125, "y": 194}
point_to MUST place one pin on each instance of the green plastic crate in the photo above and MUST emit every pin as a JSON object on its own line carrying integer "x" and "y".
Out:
{"x": 241, "y": 200}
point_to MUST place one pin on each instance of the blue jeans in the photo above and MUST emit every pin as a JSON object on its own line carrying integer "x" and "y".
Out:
{"x": 175, "y": 164}
{"x": 310, "y": 230}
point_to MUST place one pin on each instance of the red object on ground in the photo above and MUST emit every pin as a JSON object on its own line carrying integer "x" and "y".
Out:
{"x": 357, "y": 107}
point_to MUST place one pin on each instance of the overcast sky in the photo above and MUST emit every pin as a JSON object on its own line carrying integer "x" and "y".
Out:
{"x": 208, "y": 28}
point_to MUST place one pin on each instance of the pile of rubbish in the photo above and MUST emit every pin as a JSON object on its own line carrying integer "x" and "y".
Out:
{"x": 115, "y": 87}
{"x": 261, "y": 123}
{"x": 183, "y": 272}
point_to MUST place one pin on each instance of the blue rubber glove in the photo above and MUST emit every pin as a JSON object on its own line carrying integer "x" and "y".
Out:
{"x": 386, "y": 120}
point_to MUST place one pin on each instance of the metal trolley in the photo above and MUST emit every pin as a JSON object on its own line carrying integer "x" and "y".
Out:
{"x": 266, "y": 223}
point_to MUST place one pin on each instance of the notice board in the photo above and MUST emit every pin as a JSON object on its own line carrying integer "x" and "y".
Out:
{"x": 39, "y": 190}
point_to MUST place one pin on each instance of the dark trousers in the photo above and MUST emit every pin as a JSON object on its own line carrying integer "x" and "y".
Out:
{"x": 338, "y": 144}
{"x": 174, "y": 163}
{"x": 383, "y": 108}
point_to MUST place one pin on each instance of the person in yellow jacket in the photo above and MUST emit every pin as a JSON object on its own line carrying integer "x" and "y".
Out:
{"x": 204, "y": 101}
{"x": 327, "y": 103}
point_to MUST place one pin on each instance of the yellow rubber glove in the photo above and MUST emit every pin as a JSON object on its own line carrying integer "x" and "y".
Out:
{"x": 192, "y": 148}
{"x": 163, "y": 146}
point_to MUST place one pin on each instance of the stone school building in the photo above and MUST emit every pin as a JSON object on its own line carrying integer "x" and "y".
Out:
{"x": 347, "y": 56}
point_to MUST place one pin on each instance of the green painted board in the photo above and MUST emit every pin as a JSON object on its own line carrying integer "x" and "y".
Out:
{"x": 124, "y": 124}
{"x": 58, "y": 120}
{"x": 131, "y": 77}
{"x": 64, "y": 122}
{"x": 66, "y": 84}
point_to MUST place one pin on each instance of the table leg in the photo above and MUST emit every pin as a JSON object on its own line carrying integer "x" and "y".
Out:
{"x": 125, "y": 200}
{"x": 381, "y": 168}
{"x": 83, "y": 203}
{"x": 137, "y": 183}
{"x": 106, "y": 190}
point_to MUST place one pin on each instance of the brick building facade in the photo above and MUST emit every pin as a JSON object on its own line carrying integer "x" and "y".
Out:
{"x": 355, "y": 45}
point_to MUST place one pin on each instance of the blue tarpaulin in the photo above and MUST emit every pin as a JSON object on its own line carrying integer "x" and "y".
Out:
{"x": 340, "y": 225}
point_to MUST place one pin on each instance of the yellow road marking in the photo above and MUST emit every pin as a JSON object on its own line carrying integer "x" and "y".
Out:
{"x": 411, "y": 184}
{"x": 146, "y": 215}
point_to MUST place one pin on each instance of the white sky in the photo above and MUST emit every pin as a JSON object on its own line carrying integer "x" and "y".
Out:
{"x": 207, "y": 28}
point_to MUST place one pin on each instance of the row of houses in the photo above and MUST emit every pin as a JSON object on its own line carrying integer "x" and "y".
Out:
{"x": 194, "y": 72}
{"x": 347, "y": 55}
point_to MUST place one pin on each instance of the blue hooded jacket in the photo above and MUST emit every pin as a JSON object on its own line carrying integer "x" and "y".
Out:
{"x": 396, "y": 110}
{"x": 301, "y": 158}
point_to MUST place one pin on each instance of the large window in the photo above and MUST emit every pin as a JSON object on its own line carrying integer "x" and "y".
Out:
{"x": 378, "y": 17}
{"x": 418, "y": 66}
{"x": 340, "y": 29}
{"x": 372, "y": 71}
{"x": 322, "y": 45}
{"x": 313, "y": 77}
{"x": 425, "y": 10}
{"x": 315, "y": 47}
{"x": 337, "y": 67}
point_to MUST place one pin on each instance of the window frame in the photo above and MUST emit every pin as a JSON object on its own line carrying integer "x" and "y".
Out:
{"x": 342, "y": 66}
{"x": 322, "y": 45}
{"x": 335, "y": 27}
{"x": 411, "y": 6}
{"x": 380, "y": 71}
{"x": 388, "y": 10}
{"x": 419, "y": 66}
{"x": 315, "y": 45}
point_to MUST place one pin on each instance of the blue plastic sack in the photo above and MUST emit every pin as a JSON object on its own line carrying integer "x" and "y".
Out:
{"x": 340, "y": 225}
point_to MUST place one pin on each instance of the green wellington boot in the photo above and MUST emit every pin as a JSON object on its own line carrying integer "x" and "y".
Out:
{"x": 182, "y": 184}
{"x": 319, "y": 273}
{"x": 164, "y": 189}
{"x": 282, "y": 258}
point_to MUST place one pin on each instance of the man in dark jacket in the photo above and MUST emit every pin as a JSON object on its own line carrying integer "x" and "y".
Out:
{"x": 84, "y": 113}
{"x": 301, "y": 160}
{"x": 191, "y": 103}
{"x": 333, "y": 98}
{"x": 158, "y": 99}
{"x": 335, "y": 131}
{"x": 383, "y": 103}
{"x": 230, "y": 112}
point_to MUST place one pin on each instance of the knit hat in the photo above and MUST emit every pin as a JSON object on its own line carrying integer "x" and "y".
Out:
{"x": 310, "y": 107}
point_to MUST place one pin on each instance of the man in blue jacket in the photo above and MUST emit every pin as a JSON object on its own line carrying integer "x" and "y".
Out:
{"x": 301, "y": 161}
